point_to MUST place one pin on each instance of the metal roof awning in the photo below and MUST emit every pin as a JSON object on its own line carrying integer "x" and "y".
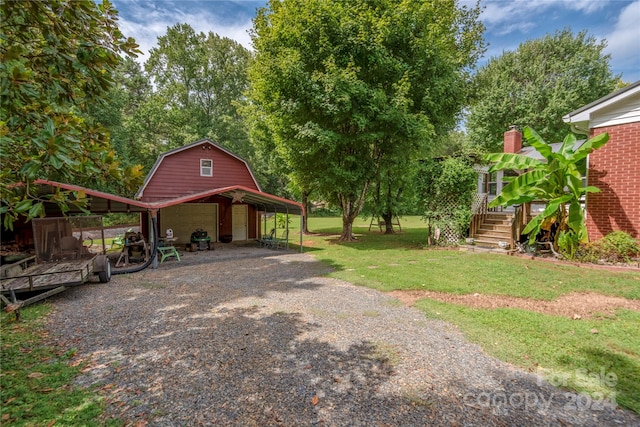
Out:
{"x": 100, "y": 202}
{"x": 238, "y": 193}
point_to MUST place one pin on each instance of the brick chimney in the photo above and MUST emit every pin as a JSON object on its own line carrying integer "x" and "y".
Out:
{"x": 512, "y": 140}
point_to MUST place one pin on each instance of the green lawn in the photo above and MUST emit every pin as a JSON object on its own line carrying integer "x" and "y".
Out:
{"x": 36, "y": 381}
{"x": 557, "y": 346}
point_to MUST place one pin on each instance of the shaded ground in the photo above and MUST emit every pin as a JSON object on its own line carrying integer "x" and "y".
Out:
{"x": 584, "y": 305}
{"x": 245, "y": 336}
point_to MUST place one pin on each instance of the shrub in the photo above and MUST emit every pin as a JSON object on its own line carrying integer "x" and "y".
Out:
{"x": 568, "y": 243}
{"x": 120, "y": 219}
{"x": 617, "y": 246}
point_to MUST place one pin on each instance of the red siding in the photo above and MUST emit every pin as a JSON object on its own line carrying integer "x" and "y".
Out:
{"x": 179, "y": 173}
{"x": 615, "y": 169}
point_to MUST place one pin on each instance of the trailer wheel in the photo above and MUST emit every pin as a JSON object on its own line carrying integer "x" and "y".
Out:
{"x": 102, "y": 267}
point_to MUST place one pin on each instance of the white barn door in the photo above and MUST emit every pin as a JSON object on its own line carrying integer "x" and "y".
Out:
{"x": 239, "y": 220}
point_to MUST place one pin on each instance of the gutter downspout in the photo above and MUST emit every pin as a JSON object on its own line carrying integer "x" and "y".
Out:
{"x": 574, "y": 127}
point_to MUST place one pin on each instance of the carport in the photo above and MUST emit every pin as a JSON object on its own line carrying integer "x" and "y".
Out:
{"x": 100, "y": 203}
{"x": 264, "y": 202}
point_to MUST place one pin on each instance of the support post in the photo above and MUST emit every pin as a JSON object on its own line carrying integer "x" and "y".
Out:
{"x": 301, "y": 225}
{"x": 154, "y": 214}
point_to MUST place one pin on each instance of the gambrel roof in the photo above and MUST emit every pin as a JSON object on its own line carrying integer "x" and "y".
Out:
{"x": 207, "y": 145}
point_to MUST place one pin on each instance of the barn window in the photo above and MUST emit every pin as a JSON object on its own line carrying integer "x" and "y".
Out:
{"x": 206, "y": 167}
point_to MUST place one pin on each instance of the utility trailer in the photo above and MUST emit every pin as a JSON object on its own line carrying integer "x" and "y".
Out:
{"x": 69, "y": 251}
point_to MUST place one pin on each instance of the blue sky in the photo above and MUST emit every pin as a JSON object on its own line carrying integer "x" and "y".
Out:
{"x": 508, "y": 23}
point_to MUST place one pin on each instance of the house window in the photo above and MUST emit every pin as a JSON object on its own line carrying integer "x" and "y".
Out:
{"x": 206, "y": 167}
{"x": 508, "y": 174}
{"x": 493, "y": 183}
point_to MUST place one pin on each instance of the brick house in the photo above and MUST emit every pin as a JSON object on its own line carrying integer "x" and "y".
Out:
{"x": 614, "y": 168}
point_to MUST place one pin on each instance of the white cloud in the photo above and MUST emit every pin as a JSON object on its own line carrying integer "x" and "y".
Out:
{"x": 624, "y": 41}
{"x": 145, "y": 21}
{"x": 586, "y": 6}
{"x": 504, "y": 17}
{"x": 514, "y": 12}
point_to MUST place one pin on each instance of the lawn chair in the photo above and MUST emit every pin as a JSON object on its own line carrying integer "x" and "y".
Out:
{"x": 267, "y": 240}
{"x": 117, "y": 242}
{"x": 281, "y": 242}
{"x": 166, "y": 251}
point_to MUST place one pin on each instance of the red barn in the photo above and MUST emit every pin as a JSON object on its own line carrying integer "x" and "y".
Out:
{"x": 614, "y": 168}
{"x": 204, "y": 186}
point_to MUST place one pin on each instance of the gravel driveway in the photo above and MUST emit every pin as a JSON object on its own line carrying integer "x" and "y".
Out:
{"x": 251, "y": 337}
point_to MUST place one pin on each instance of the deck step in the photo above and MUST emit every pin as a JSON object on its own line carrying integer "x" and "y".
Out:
{"x": 495, "y": 228}
{"x": 486, "y": 226}
{"x": 487, "y": 243}
{"x": 493, "y": 236}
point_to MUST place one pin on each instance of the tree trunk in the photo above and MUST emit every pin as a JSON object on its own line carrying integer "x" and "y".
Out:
{"x": 388, "y": 215}
{"x": 351, "y": 207}
{"x": 305, "y": 217}
{"x": 388, "y": 225}
{"x": 347, "y": 230}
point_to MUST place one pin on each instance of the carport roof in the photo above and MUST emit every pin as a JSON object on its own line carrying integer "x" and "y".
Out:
{"x": 104, "y": 202}
{"x": 264, "y": 201}
{"x": 100, "y": 202}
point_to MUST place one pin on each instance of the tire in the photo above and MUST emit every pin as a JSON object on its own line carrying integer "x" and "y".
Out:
{"x": 102, "y": 266}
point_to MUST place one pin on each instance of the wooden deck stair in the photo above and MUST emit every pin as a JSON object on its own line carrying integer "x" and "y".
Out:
{"x": 495, "y": 228}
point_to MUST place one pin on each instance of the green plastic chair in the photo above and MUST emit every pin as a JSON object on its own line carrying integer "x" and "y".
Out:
{"x": 118, "y": 242}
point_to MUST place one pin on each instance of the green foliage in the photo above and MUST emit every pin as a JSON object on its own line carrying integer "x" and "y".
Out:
{"x": 326, "y": 212}
{"x": 617, "y": 246}
{"x": 58, "y": 59}
{"x": 129, "y": 118}
{"x": 445, "y": 188}
{"x": 120, "y": 219}
{"x": 36, "y": 385}
{"x": 538, "y": 84}
{"x": 568, "y": 243}
{"x": 352, "y": 89}
{"x": 557, "y": 180}
{"x": 200, "y": 80}
{"x": 282, "y": 220}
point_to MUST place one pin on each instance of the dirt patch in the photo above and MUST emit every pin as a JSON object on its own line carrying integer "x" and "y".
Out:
{"x": 573, "y": 306}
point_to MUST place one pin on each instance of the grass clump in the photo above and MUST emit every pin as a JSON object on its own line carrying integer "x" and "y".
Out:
{"x": 36, "y": 381}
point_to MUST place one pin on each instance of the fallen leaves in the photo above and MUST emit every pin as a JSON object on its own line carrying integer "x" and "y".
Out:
{"x": 35, "y": 375}
{"x": 314, "y": 400}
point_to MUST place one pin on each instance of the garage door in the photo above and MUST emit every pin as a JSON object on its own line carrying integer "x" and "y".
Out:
{"x": 186, "y": 218}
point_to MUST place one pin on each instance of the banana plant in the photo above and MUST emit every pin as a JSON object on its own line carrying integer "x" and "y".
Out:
{"x": 555, "y": 179}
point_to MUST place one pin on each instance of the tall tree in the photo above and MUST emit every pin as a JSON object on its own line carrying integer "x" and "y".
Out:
{"x": 537, "y": 84}
{"x": 128, "y": 129}
{"x": 202, "y": 79}
{"x": 348, "y": 86}
{"x": 58, "y": 58}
